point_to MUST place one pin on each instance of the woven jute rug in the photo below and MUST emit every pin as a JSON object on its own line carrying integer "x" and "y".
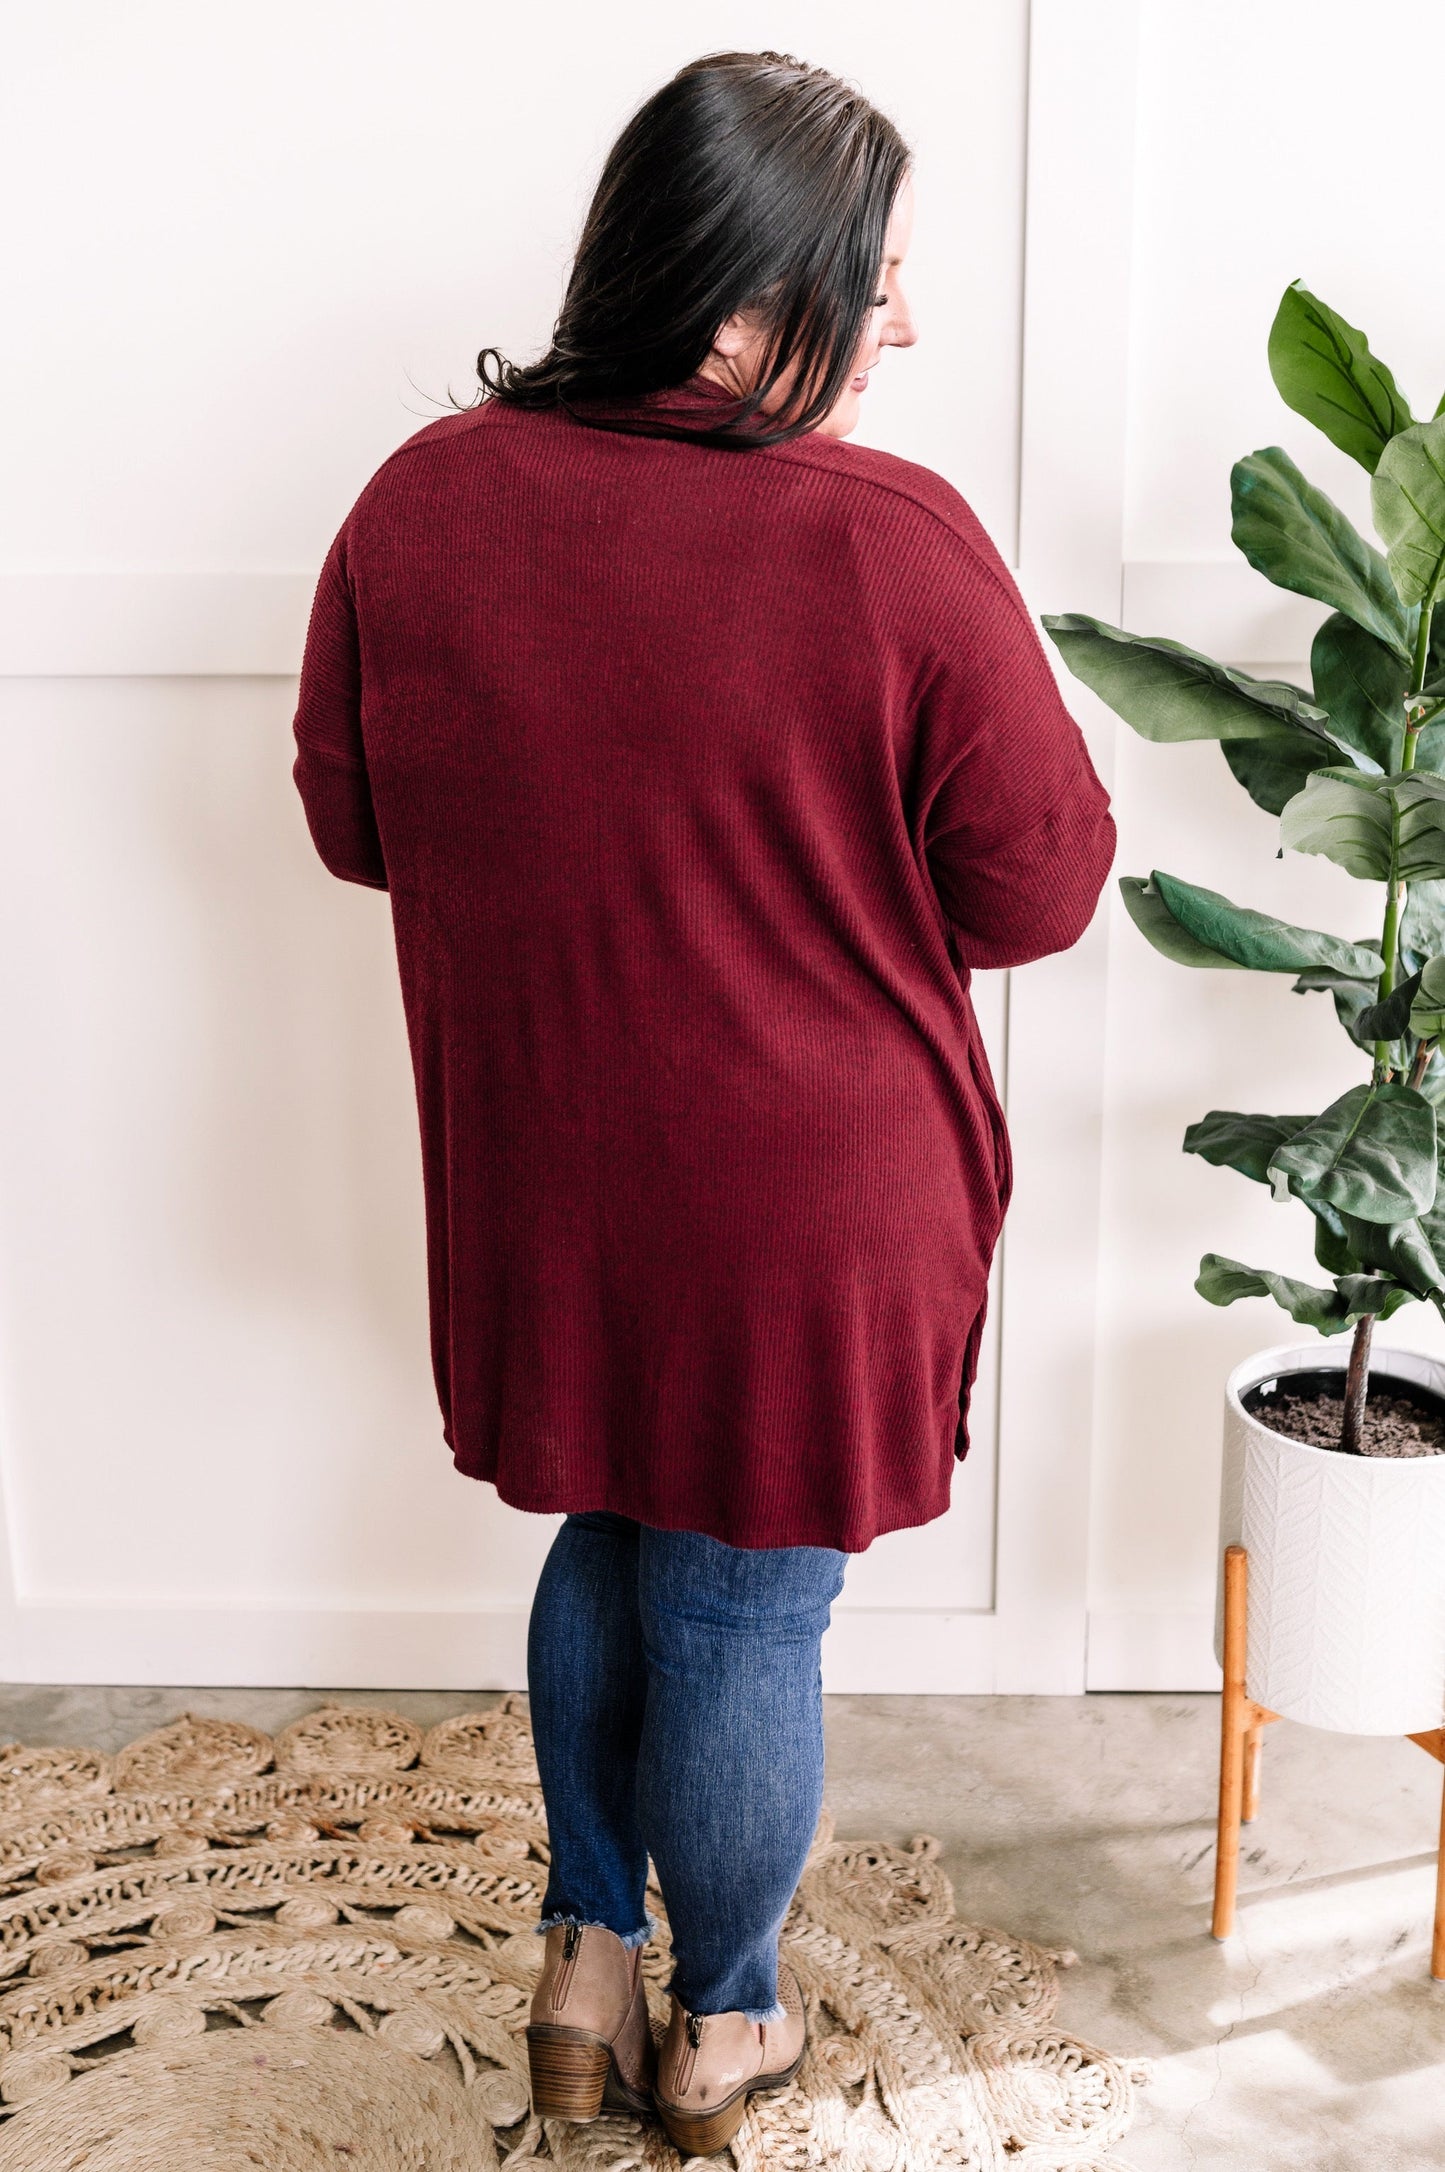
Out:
{"x": 224, "y": 1951}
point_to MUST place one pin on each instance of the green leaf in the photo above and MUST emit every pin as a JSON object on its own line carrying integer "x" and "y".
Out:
{"x": 1370, "y": 825}
{"x": 1344, "y": 1245}
{"x": 1427, "y": 1008}
{"x": 1361, "y": 683}
{"x": 1431, "y": 1232}
{"x": 1258, "y": 941}
{"x": 1388, "y": 1020}
{"x": 1430, "y": 749}
{"x": 1199, "y": 927}
{"x": 1401, "y": 1249}
{"x": 1420, "y": 800}
{"x": 1363, "y": 1295}
{"x": 1223, "y": 1280}
{"x": 1337, "y": 816}
{"x": 1152, "y": 917}
{"x": 1299, "y": 539}
{"x": 1372, "y": 1153}
{"x": 1168, "y": 692}
{"x": 1274, "y": 768}
{"x": 1324, "y": 370}
{"x": 1333, "y": 1250}
{"x": 1422, "y": 924}
{"x": 1407, "y": 498}
{"x": 1231, "y": 1140}
{"x": 1412, "y": 1259}
{"x": 1353, "y": 1000}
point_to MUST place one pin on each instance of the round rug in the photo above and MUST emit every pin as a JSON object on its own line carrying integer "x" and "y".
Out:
{"x": 220, "y": 1950}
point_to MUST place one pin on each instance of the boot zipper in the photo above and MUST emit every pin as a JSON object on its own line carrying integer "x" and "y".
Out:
{"x": 571, "y": 1940}
{"x": 693, "y": 2033}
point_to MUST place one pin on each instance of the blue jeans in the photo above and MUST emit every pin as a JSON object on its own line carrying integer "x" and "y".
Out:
{"x": 677, "y": 1710}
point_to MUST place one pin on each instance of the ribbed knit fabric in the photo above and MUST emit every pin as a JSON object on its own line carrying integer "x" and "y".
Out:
{"x": 699, "y": 779}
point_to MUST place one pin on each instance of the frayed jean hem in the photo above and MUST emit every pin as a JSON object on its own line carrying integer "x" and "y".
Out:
{"x": 777, "y": 2012}
{"x": 589, "y": 1923}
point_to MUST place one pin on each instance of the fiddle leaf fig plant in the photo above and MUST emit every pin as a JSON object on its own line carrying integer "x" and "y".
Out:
{"x": 1354, "y": 768}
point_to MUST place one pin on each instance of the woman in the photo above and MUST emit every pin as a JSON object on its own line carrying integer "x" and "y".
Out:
{"x": 704, "y": 756}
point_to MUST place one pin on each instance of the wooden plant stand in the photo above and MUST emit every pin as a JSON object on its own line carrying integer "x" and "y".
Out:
{"x": 1241, "y": 1741}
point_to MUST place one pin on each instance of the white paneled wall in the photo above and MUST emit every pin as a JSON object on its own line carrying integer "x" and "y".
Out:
{"x": 264, "y": 244}
{"x": 260, "y": 250}
{"x": 263, "y": 249}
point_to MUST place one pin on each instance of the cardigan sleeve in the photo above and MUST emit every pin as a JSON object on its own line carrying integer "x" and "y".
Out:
{"x": 1017, "y": 836}
{"x": 330, "y": 766}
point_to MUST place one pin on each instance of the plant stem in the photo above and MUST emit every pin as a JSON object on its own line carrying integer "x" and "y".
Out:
{"x": 1389, "y": 943}
{"x": 1415, "y": 717}
{"x": 1417, "y": 680}
{"x": 1356, "y": 1382}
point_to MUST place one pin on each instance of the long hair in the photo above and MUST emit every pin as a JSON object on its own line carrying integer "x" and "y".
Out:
{"x": 749, "y": 181}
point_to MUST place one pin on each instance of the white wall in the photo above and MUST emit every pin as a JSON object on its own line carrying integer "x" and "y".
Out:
{"x": 261, "y": 249}
{"x": 264, "y": 244}
{"x": 257, "y": 249}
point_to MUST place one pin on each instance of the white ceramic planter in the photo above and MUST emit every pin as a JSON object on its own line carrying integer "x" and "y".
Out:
{"x": 1346, "y": 1560}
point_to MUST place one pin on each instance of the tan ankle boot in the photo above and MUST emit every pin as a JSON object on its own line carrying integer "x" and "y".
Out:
{"x": 588, "y": 2039}
{"x": 710, "y": 2064}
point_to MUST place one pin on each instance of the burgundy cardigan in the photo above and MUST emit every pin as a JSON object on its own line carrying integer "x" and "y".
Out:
{"x": 700, "y": 779}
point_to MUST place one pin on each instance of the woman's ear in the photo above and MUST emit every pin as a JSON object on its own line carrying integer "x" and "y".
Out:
{"x": 734, "y": 336}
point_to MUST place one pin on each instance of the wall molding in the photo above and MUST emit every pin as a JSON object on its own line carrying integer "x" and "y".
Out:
{"x": 868, "y": 1650}
{"x": 1078, "y": 248}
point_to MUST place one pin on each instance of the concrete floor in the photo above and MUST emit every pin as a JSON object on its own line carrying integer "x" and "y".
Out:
{"x": 1314, "y": 2038}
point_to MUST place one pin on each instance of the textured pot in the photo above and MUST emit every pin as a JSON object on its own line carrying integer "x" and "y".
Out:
{"x": 1346, "y": 1560}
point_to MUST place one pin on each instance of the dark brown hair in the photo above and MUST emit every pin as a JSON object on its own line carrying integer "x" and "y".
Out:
{"x": 750, "y": 181}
